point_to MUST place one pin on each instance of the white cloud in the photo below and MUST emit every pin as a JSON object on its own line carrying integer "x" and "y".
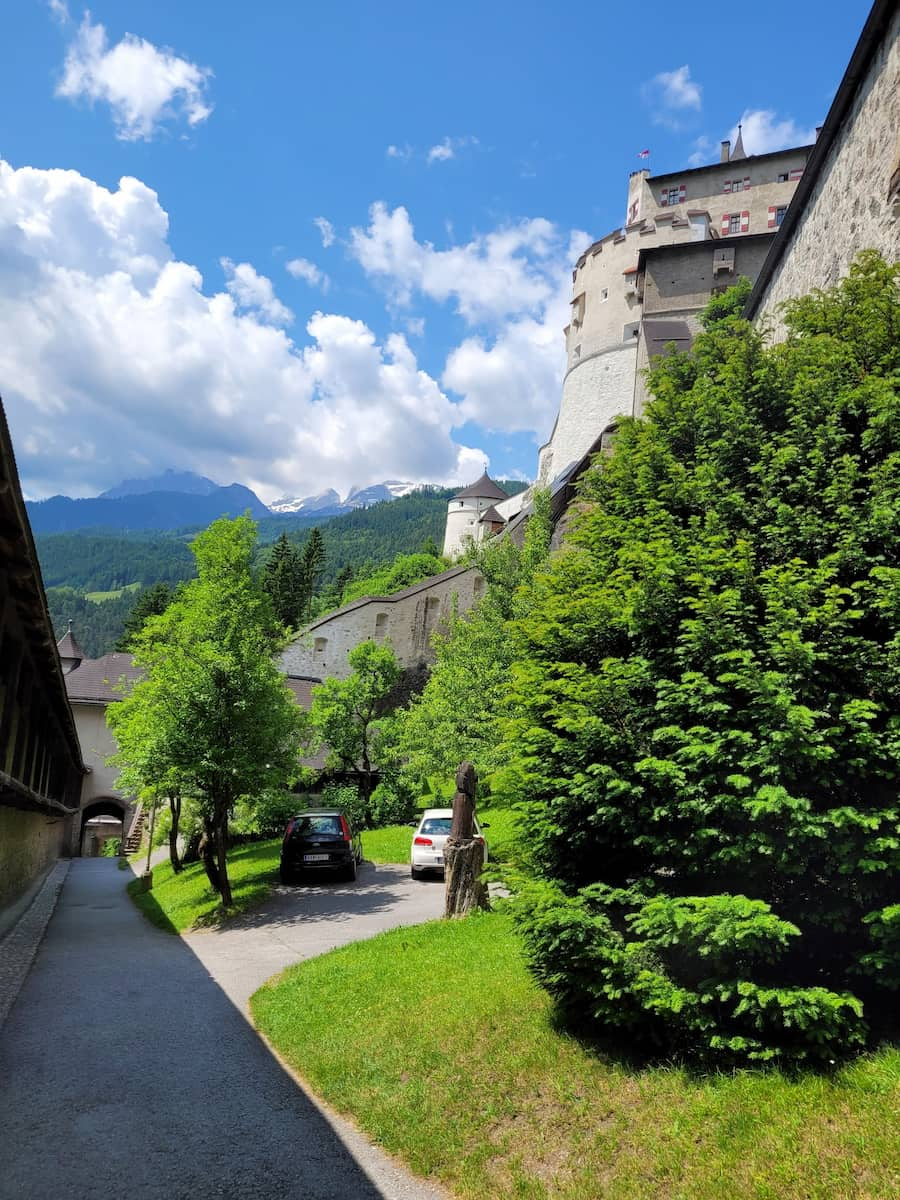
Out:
{"x": 672, "y": 94}
{"x": 511, "y": 270}
{"x": 448, "y": 148}
{"x": 116, "y": 360}
{"x": 415, "y": 326}
{"x": 516, "y": 281}
{"x": 441, "y": 152}
{"x": 302, "y": 268}
{"x": 143, "y": 85}
{"x": 763, "y": 132}
{"x": 404, "y": 153}
{"x": 326, "y": 230}
{"x": 255, "y": 292}
{"x": 60, "y": 11}
{"x": 702, "y": 152}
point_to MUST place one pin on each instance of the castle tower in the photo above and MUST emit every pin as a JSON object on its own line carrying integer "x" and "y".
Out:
{"x": 639, "y": 289}
{"x": 465, "y": 512}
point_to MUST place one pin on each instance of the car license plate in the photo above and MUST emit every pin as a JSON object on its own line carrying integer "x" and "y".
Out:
{"x": 316, "y": 857}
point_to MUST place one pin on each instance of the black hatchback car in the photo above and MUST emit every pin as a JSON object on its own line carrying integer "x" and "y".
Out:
{"x": 321, "y": 842}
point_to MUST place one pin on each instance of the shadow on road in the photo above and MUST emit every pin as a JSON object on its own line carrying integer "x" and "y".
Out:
{"x": 377, "y": 890}
{"x": 126, "y": 1069}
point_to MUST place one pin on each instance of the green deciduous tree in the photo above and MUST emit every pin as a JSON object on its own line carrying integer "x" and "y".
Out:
{"x": 347, "y": 714}
{"x": 214, "y": 709}
{"x": 458, "y": 714}
{"x": 708, "y": 736}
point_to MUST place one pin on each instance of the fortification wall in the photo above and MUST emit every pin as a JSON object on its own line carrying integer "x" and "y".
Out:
{"x": 407, "y": 621}
{"x": 849, "y": 207}
{"x": 594, "y": 392}
{"x": 30, "y": 842}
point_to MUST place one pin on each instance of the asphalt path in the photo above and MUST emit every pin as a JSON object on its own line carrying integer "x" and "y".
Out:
{"x": 300, "y": 922}
{"x": 128, "y": 1066}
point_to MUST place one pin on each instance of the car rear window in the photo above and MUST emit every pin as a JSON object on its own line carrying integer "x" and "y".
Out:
{"x": 307, "y": 825}
{"x": 436, "y": 825}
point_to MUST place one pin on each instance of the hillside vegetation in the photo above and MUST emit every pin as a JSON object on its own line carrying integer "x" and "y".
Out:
{"x": 364, "y": 543}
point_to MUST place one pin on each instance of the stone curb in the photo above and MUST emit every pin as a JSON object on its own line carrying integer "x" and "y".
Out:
{"x": 20, "y": 945}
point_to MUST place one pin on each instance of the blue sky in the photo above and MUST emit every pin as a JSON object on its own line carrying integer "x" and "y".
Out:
{"x": 342, "y": 252}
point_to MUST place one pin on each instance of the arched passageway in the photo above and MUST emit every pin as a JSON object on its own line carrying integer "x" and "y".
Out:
{"x": 101, "y": 820}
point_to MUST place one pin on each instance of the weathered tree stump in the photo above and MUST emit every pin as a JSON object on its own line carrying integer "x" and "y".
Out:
{"x": 463, "y": 854}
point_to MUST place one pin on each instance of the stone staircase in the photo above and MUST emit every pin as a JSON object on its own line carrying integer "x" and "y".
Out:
{"x": 136, "y": 831}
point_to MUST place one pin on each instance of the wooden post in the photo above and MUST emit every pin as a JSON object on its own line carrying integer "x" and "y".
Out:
{"x": 463, "y": 855}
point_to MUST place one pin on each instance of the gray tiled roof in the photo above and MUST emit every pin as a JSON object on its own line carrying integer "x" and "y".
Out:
{"x": 482, "y": 489}
{"x": 100, "y": 679}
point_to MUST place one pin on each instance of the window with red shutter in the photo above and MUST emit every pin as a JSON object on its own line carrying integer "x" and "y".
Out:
{"x": 745, "y": 221}
{"x": 771, "y": 224}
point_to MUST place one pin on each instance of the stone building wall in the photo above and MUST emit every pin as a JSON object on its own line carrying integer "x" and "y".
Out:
{"x": 407, "y": 620}
{"x": 850, "y": 205}
{"x": 677, "y": 281}
{"x": 30, "y": 842}
{"x": 97, "y": 745}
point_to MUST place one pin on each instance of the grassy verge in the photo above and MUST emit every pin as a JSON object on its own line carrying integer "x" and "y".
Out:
{"x": 435, "y": 1040}
{"x": 186, "y": 901}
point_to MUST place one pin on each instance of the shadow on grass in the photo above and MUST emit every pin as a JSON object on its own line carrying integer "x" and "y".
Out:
{"x": 150, "y": 907}
{"x": 637, "y": 1058}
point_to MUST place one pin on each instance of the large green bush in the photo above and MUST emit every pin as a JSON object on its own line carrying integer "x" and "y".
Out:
{"x": 710, "y": 700}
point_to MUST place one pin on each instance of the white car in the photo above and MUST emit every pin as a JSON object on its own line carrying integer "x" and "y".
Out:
{"x": 432, "y": 831}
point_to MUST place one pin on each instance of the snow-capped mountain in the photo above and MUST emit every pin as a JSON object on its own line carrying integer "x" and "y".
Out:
{"x": 329, "y": 503}
{"x": 326, "y": 502}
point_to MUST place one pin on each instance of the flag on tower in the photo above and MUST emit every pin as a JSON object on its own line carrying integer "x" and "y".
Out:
{"x": 644, "y": 154}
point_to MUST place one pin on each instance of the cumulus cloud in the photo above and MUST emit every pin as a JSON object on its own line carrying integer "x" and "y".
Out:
{"x": 143, "y": 85}
{"x": 116, "y": 360}
{"x": 255, "y": 292}
{"x": 326, "y": 230}
{"x": 515, "y": 283}
{"x": 302, "y": 268}
{"x": 764, "y": 133}
{"x": 404, "y": 153}
{"x": 671, "y": 95}
{"x": 511, "y": 270}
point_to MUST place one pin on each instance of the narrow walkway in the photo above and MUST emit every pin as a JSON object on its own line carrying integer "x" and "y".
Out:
{"x": 126, "y": 1071}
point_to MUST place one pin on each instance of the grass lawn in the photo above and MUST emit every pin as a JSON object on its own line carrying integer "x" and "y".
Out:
{"x": 179, "y": 902}
{"x": 99, "y": 597}
{"x": 435, "y": 1040}
{"x": 391, "y": 844}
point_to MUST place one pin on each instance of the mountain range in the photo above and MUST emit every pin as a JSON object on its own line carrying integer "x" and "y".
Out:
{"x": 185, "y": 500}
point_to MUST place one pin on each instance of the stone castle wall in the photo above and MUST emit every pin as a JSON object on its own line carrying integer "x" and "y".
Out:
{"x": 849, "y": 207}
{"x": 407, "y": 620}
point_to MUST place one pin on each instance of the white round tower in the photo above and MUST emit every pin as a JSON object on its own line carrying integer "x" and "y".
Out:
{"x": 465, "y": 512}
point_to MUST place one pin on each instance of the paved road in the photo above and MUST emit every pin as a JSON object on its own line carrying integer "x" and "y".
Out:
{"x": 297, "y": 923}
{"x": 125, "y": 1070}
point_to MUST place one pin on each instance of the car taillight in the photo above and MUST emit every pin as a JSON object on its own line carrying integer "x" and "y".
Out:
{"x": 345, "y": 828}
{"x": 287, "y": 832}
{"x": 422, "y": 841}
